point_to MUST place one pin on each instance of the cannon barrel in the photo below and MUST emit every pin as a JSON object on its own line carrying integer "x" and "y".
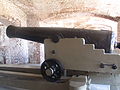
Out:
{"x": 101, "y": 38}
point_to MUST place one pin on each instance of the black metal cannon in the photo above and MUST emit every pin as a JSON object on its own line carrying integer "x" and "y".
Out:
{"x": 100, "y": 38}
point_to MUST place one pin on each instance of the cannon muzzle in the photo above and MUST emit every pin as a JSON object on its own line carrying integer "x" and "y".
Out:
{"x": 101, "y": 38}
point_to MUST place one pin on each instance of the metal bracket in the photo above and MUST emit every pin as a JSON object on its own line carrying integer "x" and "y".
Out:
{"x": 113, "y": 66}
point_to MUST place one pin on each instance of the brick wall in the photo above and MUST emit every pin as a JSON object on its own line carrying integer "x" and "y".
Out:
{"x": 118, "y": 34}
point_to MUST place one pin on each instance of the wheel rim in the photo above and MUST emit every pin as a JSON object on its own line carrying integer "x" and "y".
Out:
{"x": 51, "y": 70}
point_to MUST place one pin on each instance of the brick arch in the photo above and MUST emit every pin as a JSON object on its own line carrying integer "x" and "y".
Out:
{"x": 8, "y": 20}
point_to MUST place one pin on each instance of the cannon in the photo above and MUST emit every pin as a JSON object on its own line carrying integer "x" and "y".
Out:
{"x": 100, "y": 38}
{"x": 71, "y": 49}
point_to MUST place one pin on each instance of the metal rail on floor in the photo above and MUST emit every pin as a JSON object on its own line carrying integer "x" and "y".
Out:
{"x": 21, "y": 68}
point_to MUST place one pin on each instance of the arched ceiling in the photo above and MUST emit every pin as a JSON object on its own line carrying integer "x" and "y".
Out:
{"x": 88, "y": 14}
{"x": 55, "y": 8}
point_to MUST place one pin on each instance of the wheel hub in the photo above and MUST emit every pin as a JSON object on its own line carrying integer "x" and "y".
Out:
{"x": 49, "y": 72}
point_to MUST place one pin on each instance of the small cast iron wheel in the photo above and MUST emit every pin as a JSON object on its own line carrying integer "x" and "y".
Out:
{"x": 52, "y": 70}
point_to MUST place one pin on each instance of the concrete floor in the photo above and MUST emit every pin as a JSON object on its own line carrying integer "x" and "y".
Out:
{"x": 10, "y": 88}
{"x": 24, "y": 81}
{"x": 19, "y": 81}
